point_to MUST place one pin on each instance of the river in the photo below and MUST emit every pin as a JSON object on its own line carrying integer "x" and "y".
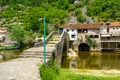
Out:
{"x": 93, "y": 60}
{"x": 9, "y": 54}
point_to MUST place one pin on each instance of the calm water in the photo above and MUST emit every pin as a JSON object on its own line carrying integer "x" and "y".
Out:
{"x": 8, "y": 54}
{"x": 93, "y": 60}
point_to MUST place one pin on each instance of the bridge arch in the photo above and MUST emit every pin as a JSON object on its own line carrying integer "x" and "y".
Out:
{"x": 65, "y": 47}
{"x": 83, "y": 47}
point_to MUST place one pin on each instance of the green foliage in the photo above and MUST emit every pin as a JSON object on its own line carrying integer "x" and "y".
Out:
{"x": 17, "y": 34}
{"x": 80, "y": 5}
{"x": 71, "y": 1}
{"x": 78, "y": 11}
{"x": 81, "y": 18}
{"x": 71, "y": 7}
{"x": 105, "y": 9}
{"x": 49, "y": 72}
{"x": 66, "y": 74}
{"x": 29, "y": 38}
{"x": 91, "y": 43}
{"x": 79, "y": 15}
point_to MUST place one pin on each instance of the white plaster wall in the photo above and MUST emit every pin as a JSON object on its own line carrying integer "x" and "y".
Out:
{"x": 70, "y": 32}
{"x": 93, "y": 31}
{"x": 103, "y": 30}
{"x": 115, "y": 30}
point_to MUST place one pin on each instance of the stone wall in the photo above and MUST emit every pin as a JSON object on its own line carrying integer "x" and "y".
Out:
{"x": 60, "y": 46}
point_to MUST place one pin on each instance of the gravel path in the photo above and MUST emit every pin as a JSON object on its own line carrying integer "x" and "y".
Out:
{"x": 20, "y": 69}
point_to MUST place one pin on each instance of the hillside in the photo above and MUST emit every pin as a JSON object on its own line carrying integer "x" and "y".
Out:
{"x": 29, "y": 13}
{"x": 104, "y": 10}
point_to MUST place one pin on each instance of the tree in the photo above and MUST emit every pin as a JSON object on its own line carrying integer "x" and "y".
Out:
{"x": 81, "y": 18}
{"x": 91, "y": 43}
{"x": 29, "y": 38}
{"x": 18, "y": 34}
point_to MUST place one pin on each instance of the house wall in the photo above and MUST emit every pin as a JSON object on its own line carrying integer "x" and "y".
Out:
{"x": 72, "y": 33}
{"x": 115, "y": 30}
{"x": 103, "y": 30}
{"x": 82, "y": 38}
{"x": 94, "y": 31}
{"x": 3, "y": 33}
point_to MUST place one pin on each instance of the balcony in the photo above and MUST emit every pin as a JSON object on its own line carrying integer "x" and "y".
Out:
{"x": 110, "y": 40}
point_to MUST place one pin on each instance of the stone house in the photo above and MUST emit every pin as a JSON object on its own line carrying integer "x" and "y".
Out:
{"x": 110, "y": 35}
{"x": 3, "y": 32}
{"x": 78, "y": 34}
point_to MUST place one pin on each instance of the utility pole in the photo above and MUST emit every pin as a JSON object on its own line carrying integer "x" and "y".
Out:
{"x": 44, "y": 40}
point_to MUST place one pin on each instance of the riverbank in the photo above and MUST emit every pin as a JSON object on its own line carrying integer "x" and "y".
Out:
{"x": 90, "y": 74}
{"x": 79, "y": 74}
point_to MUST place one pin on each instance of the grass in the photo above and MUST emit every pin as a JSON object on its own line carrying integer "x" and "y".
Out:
{"x": 55, "y": 73}
{"x": 6, "y": 47}
{"x": 67, "y": 74}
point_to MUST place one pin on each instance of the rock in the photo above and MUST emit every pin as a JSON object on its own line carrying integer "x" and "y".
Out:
{"x": 1, "y": 58}
{"x": 76, "y": 2}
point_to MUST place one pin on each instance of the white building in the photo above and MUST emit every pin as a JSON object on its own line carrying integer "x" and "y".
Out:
{"x": 3, "y": 32}
{"x": 78, "y": 33}
{"x": 110, "y": 35}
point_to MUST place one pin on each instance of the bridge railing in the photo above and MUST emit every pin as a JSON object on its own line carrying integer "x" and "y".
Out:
{"x": 38, "y": 44}
{"x": 61, "y": 41}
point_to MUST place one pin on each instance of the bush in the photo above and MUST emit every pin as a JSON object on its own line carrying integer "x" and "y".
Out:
{"x": 71, "y": 7}
{"x": 78, "y": 11}
{"x": 80, "y": 5}
{"x": 81, "y": 18}
{"x": 49, "y": 72}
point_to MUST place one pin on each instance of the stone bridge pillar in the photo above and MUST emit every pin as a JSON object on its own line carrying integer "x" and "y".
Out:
{"x": 62, "y": 47}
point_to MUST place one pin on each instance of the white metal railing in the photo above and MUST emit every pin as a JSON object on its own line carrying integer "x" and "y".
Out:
{"x": 110, "y": 40}
{"x": 109, "y": 48}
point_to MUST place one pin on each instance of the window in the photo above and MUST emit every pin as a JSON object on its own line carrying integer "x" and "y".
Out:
{"x": 107, "y": 30}
{"x": 113, "y": 28}
{"x": 85, "y": 30}
{"x": 80, "y": 31}
{"x": 91, "y": 36}
{"x": 96, "y": 36}
{"x": 72, "y": 36}
{"x": 116, "y": 28}
{"x": 67, "y": 30}
{"x": 72, "y": 30}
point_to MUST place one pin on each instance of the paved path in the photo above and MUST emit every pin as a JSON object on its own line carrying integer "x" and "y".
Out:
{"x": 20, "y": 69}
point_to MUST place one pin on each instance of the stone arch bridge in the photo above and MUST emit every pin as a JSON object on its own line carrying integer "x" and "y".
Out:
{"x": 57, "y": 45}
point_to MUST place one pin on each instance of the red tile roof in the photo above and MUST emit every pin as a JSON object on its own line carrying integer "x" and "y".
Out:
{"x": 112, "y": 24}
{"x": 90, "y": 26}
{"x": 2, "y": 28}
{"x": 81, "y": 26}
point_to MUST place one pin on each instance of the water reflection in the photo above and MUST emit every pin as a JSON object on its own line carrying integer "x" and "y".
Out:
{"x": 8, "y": 54}
{"x": 94, "y": 60}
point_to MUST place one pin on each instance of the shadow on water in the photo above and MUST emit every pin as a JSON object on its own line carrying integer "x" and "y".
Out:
{"x": 9, "y": 54}
{"x": 95, "y": 60}
{"x": 83, "y": 54}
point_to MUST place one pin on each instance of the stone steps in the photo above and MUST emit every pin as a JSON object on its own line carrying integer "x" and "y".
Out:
{"x": 55, "y": 39}
{"x": 50, "y": 45}
{"x": 34, "y": 56}
{"x": 38, "y": 52}
{"x": 52, "y": 42}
